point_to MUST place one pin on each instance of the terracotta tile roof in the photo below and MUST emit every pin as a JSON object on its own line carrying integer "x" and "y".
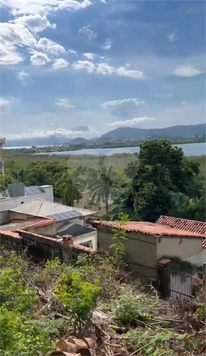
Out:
{"x": 148, "y": 228}
{"x": 183, "y": 224}
{"x": 10, "y": 233}
{"x": 204, "y": 243}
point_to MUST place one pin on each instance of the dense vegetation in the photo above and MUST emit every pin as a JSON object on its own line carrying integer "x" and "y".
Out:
{"x": 41, "y": 303}
{"x": 160, "y": 180}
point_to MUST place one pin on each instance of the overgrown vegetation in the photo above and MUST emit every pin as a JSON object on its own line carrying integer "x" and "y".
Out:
{"x": 40, "y": 303}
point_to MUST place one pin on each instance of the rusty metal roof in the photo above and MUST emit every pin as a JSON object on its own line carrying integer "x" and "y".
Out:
{"x": 148, "y": 228}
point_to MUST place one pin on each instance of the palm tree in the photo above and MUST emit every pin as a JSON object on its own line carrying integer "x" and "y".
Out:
{"x": 19, "y": 175}
{"x": 103, "y": 185}
{"x": 70, "y": 185}
{"x": 37, "y": 175}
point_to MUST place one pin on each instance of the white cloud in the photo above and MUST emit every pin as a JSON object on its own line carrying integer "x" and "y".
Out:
{"x": 107, "y": 45}
{"x": 39, "y": 58}
{"x": 89, "y": 56}
{"x": 13, "y": 36}
{"x": 60, "y": 63}
{"x": 64, "y": 103}
{"x": 130, "y": 73}
{"x": 47, "y": 45}
{"x": 172, "y": 37}
{"x": 131, "y": 123}
{"x": 87, "y": 65}
{"x": 36, "y": 23}
{"x": 43, "y": 7}
{"x": 9, "y": 55}
{"x": 88, "y": 33}
{"x": 186, "y": 71}
{"x": 105, "y": 68}
{"x": 119, "y": 103}
{"x": 5, "y": 103}
{"x": 183, "y": 102}
{"x": 22, "y": 75}
{"x": 31, "y": 18}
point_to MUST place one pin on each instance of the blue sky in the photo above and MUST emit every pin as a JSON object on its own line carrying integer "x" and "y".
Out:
{"x": 84, "y": 68}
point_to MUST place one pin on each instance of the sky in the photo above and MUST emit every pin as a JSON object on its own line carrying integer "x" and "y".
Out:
{"x": 83, "y": 68}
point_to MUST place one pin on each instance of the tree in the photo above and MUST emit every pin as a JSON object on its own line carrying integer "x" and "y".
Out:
{"x": 70, "y": 186}
{"x": 161, "y": 170}
{"x": 103, "y": 185}
{"x": 5, "y": 179}
{"x": 19, "y": 175}
{"x": 38, "y": 175}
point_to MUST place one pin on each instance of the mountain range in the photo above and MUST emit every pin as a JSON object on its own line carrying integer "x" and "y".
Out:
{"x": 119, "y": 134}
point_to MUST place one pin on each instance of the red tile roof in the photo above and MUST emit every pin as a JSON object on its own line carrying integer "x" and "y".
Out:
{"x": 184, "y": 225}
{"x": 148, "y": 228}
{"x": 198, "y": 227}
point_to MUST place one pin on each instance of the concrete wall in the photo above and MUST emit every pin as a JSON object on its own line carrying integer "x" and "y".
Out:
{"x": 182, "y": 248}
{"x": 49, "y": 194}
{"x": 91, "y": 236}
{"x": 140, "y": 250}
{"x": 198, "y": 259}
{"x": 41, "y": 248}
{"x": 48, "y": 230}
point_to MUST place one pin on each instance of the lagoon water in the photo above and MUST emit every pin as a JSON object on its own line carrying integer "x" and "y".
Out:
{"x": 190, "y": 149}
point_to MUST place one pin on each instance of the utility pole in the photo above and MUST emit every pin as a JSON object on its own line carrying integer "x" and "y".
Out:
{"x": 2, "y": 145}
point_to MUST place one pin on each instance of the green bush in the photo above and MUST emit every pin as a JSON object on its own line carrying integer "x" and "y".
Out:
{"x": 129, "y": 309}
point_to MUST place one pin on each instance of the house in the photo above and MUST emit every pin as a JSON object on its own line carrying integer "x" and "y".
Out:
{"x": 59, "y": 221}
{"x": 147, "y": 243}
{"x": 191, "y": 226}
{"x": 17, "y": 194}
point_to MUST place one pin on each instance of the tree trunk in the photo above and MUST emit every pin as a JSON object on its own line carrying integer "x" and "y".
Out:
{"x": 106, "y": 203}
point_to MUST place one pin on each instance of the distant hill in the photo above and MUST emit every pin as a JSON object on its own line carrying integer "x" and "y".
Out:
{"x": 121, "y": 133}
{"x": 78, "y": 140}
{"x": 38, "y": 141}
{"x": 131, "y": 133}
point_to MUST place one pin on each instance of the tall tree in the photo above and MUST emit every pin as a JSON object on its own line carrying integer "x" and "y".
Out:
{"x": 161, "y": 171}
{"x": 38, "y": 175}
{"x": 103, "y": 185}
{"x": 70, "y": 186}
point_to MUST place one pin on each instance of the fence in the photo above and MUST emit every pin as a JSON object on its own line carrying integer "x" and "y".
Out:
{"x": 177, "y": 280}
{"x": 180, "y": 284}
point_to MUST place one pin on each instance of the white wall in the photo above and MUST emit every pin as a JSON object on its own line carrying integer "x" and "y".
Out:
{"x": 92, "y": 236}
{"x": 49, "y": 194}
{"x": 182, "y": 248}
{"x": 198, "y": 259}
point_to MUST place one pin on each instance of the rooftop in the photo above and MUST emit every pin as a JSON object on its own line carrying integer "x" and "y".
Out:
{"x": 26, "y": 224}
{"x": 183, "y": 224}
{"x": 56, "y": 211}
{"x": 148, "y": 228}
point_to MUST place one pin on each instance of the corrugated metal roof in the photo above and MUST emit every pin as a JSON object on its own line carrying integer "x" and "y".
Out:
{"x": 43, "y": 208}
{"x": 148, "y": 228}
{"x": 183, "y": 224}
